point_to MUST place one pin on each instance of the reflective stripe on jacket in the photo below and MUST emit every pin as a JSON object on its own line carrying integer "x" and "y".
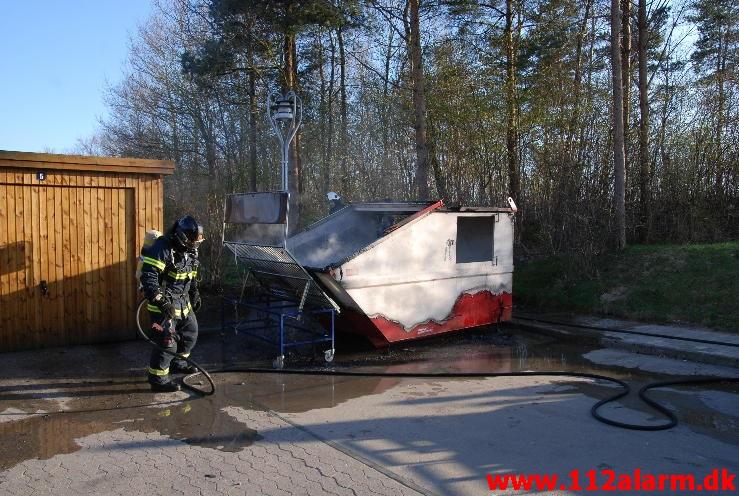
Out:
{"x": 170, "y": 272}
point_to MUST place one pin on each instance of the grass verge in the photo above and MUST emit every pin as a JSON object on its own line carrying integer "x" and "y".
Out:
{"x": 658, "y": 283}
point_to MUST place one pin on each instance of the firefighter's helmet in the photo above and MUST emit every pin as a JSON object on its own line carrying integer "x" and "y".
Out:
{"x": 188, "y": 234}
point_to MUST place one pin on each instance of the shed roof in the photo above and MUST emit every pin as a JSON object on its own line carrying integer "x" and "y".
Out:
{"x": 28, "y": 160}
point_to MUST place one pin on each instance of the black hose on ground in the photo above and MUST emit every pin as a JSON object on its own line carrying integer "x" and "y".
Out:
{"x": 625, "y": 388}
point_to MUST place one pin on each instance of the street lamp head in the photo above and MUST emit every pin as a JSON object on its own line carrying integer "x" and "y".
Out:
{"x": 284, "y": 111}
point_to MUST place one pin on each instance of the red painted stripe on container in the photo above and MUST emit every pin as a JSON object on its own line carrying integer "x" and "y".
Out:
{"x": 470, "y": 310}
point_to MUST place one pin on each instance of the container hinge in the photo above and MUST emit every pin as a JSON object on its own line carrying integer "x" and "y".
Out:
{"x": 495, "y": 261}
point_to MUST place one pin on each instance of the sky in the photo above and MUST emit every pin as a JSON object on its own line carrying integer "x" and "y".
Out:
{"x": 56, "y": 59}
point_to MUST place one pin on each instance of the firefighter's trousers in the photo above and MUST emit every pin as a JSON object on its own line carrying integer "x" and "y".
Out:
{"x": 186, "y": 329}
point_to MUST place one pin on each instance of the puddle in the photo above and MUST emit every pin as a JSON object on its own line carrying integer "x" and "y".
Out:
{"x": 478, "y": 351}
{"x": 199, "y": 422}
{"x": 125, "y": 403}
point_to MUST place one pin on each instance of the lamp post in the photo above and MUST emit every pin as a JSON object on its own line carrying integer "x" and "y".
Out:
{"x": 285, "y": 112}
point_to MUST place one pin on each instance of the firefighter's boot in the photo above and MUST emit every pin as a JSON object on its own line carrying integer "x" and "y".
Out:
{"x": 165, "y": 387}
{"x": 182, "y": 368}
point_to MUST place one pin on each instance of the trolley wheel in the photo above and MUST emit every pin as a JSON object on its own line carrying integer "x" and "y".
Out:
{"x": 279, "y": 362}
{"x": 328, "y": 355}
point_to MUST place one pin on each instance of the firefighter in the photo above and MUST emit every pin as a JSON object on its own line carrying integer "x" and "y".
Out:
{"x": 169, "y": 282}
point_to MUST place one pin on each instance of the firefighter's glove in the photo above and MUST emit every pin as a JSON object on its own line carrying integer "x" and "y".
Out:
{"x": 167, "y": 309}
{"x": 165, "y": 306}
{"x": 163, "y": 333}
{"x": 195, "y": 300}
{"x": 169, "y": 335}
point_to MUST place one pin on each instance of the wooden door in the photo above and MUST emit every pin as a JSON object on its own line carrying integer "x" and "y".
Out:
{"x": 73, "y": 266}
{"x": 17, "y": 307}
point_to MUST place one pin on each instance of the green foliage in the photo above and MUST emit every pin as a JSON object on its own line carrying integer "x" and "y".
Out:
{"x": 287, "y": 16}
{"x": 717, "y": 47}
{"x": 237, "y": 26}
{"x": 663, "y": 283}
{"x": 200, "y": 71}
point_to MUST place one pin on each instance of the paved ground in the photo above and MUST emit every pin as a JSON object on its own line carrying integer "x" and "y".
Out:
{"x": 653, "y": 339}
{"x": 284, "y": 461}
{"x": 316, "y": 435}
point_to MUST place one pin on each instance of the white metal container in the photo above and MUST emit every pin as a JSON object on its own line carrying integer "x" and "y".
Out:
{"x": 402, "y": 271}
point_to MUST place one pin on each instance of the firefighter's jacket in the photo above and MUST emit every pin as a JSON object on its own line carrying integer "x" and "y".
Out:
{"x": 170, "y": 272}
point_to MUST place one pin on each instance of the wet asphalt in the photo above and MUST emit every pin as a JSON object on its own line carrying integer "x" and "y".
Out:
{"x": 83, "y": 390}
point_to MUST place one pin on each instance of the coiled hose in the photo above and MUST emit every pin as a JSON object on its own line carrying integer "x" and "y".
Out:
{"x": 625, "y": 388}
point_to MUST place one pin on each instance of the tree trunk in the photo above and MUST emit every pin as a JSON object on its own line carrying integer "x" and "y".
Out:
{"x": 324, "y": 171}
{"x": 577, "y": 80}
{"x": 720, "y": 72}
{"x": 626, "y": 70}
{"x": 213, "y": 202}
{"x": 386, "y": 106}
{"x": 294, "y": 179}
{"x": 332, "y": 74}
{"x": 589, "y": 95}
{"x": 176, "y": 148}
{"x": 644, "y": 190}
{"x": 253, "y": 110}
{"x": 343, "y": 136}
{"x": 419, "y": 102}
{"x": 619, "y": 189}
{"x": 436, "y": 167}
{"x": 514, "y": 179}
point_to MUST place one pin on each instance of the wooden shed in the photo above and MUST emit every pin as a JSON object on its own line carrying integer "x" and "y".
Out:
{"x": 71, "y": 228}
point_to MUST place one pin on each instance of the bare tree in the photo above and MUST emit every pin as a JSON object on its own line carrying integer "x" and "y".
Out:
{"x": 413, "y": 30}
{"x": 643, "y": 229}
{"x": 343, "y": 132}
{"x": 626, "y": 71}
{"x": 514, "y": 177}
{"x": 619, "y": 185}
{"x": 294, "y": 173}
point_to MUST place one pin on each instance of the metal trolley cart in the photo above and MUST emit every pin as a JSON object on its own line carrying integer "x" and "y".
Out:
{"x": 289, "y": 310}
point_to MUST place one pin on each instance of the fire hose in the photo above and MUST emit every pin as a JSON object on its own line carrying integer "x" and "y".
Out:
{"x": 671, "y": 422}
